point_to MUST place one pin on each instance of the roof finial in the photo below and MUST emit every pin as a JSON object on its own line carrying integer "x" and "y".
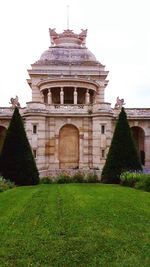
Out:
{"x": 67, "y": 17}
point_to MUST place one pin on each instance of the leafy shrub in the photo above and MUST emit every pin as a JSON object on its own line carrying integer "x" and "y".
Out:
{"x": 92, "y": 178}
{"x": 78, "y": 177}
{"x": 130, "y": 178}
{"x": 144, "y": 183}
{"x": 46, "y": 180}
{"x": 136, "y": 179}
{"x": 64, "y": 178}
{"x": 5, "y": 184}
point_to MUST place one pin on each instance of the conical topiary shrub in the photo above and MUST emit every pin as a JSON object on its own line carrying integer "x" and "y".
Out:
{"x": 122, "y": 155}
{"x": 17, "y": 161}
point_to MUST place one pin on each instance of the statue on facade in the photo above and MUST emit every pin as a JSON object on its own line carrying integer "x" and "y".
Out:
{"x": 14, "y": 102}
{"x": 82, "y": 36}
{"x": 119, "y": 103}
{"x": 53, "y": 35}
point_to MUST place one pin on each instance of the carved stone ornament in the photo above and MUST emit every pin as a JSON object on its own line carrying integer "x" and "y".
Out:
{"x": 66, "y": 35}
{"x": 119, "y": 103}
{"x": 14, "y": 102}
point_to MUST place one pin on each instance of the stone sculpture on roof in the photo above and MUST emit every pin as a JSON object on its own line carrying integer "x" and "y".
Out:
{"x": 68, "y": 34}
{"x": 119, "y": 103}
{"x": 14, "y": 102}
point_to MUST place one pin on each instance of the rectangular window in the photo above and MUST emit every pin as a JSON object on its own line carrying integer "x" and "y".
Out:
{"x": 103, "y": 153}
{"x": 34, "y": 128}
{"x": 34, "y": 153}
{"x": 102, "y": 129}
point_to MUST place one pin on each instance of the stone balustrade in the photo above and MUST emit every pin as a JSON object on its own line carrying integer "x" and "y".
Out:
{"x": 78, "y": 108}
{"x": 6, "y": 111}
{"x": 134, "y": 112}
{"x": 138, "y": 112}
{"x": 68, "y": 108}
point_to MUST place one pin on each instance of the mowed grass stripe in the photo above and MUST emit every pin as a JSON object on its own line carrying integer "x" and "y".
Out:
{"x": 13, "y": 201}
{"x": 105, "y": 224}
{"x": 75, "y": 225}
{"x": 28, "y": 233}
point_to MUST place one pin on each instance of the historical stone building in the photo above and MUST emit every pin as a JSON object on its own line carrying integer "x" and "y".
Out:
{"x": 68, "y": 122}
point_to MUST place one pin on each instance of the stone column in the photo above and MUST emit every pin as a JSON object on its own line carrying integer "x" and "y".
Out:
{"x": 49, "y": 96}
{"x": 87, "y": 97}
{"x": 75, "y": 96}
{"x": 62, "y": 96}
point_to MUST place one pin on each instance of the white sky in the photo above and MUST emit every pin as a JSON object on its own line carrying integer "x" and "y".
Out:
{"x": 118, "y": 35}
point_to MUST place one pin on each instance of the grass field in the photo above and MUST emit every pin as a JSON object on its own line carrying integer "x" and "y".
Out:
{"x": 75, "y": 225}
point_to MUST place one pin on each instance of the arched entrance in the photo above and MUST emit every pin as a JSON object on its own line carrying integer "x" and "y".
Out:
{"x": 139, "y": 136}
{"x": 68, "y": 147}
{"x": 2, "y": 136}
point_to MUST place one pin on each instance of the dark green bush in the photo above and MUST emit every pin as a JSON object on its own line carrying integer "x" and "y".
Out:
{"x": 17, "y": 160}
{"x": 78, "y": 177}
{"x": 92, "y": 178}
{"x": 64, "y": 178}
{"x": 47, "y": 180}
{"x": 144, "y": 183}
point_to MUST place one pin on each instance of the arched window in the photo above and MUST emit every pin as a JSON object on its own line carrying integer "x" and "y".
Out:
{"x": 2, "y": 136}
{"x": 139, "y": 136}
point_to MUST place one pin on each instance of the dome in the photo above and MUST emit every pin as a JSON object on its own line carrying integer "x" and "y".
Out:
{"x": 67, "y": 47}
{"x": 67, "y": 55}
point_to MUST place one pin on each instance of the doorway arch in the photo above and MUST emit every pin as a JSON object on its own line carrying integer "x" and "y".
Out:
{"x": 2, "y": 136}
{"x": 68, "y": 147}
{"x": 139, "y": 137}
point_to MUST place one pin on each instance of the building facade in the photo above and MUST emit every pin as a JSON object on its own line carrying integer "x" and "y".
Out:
{"x": 68, "y": 122}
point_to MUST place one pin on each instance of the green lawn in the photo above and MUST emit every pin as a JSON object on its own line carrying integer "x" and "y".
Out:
{"x": 74, "y": 225}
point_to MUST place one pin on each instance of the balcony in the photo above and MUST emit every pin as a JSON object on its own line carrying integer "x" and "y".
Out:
{"x": 68, "y": 108}
{"x": 58, "y": 108}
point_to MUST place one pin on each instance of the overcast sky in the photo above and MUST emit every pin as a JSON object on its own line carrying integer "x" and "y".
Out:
{"x": 118, "y": 35}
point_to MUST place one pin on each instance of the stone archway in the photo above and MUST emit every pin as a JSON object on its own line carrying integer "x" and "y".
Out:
{"x": 2, "y": 136}
{"x": 68, "y": 147}
{"x": 139, "y": 137}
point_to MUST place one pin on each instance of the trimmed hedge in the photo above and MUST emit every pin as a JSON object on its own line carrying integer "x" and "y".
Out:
{"x": 17, "y": 160}
{"x": 122, "y": 155}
